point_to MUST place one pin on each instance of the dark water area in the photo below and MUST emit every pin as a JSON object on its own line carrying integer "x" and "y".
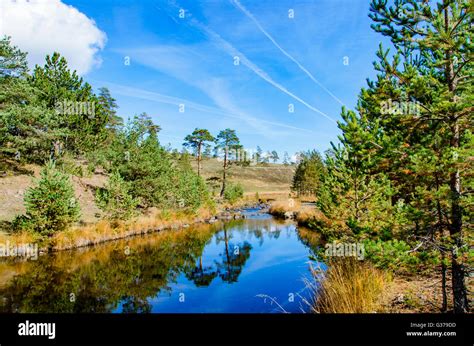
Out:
{"x": 254, "y": 265}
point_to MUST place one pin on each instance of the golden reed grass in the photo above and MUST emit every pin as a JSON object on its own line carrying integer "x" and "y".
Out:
{"x": 105, "y": 230}
{"x": 348, "y": 286}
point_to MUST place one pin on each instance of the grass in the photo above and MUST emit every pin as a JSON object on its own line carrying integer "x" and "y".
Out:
{"x": 308, "y": 215}
{"x": 271, "y": 178}
{"x": 348, "y": 286}
{"x": 104, "y": 230}
{"x": 279, "y": 208}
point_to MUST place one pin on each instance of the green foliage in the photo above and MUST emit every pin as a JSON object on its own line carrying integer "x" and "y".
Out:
{"x": 197, "y": 140}
{"x": 226, "y": 139}
{"x": 401, "y": 169}
{"x": 13, "y": 61}
{"x": 233, "y": 192}
{"x": 51, "y": 108}
{"x": 306, "y": 180}
{"x": 157, "y": 177}
{"x": 258, "y": 154}
{"x": 115, "y": 199}
{"x": 397, "y": 255}
{"x": 51, "y": 205}
{"x": 23, "y": 119}
{"x": 274, "y": 156}
{"x": 59, "y": 83}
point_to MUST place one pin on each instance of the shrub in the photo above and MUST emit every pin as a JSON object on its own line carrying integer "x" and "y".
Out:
{"x": 233, "y": 192}
{"x": 51, "y": 205}
{"x": 157, "y": 178}
{"x": 115, "y": 199}
{"x": 190, "y": 190}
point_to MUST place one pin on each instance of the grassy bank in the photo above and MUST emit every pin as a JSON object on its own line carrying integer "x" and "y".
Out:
{"x": 105, "y": 230}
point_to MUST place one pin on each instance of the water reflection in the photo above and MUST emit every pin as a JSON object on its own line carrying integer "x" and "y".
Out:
{"x": 207, "y": 268}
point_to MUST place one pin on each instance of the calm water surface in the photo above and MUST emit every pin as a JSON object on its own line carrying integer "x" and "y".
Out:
{"x": 238, "y": 266}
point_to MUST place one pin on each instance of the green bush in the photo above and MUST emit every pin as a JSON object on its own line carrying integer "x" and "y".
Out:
{"x": 233, "y": 192}
{"x": 157, "y": 178}
{"x": 115, "y": 199}
{"x": 396, "y": 255}
{"x": 190, "y": 190}
{"x": 50, "y": 205}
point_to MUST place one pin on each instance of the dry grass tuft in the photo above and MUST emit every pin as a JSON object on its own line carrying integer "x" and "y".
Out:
{"x": 348, "y": 286}
{"x": 309, "y": 215}
{"x": 279, "y": 208}
{"x": 17, "y": 238}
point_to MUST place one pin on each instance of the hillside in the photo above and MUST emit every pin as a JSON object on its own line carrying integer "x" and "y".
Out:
{"x": 270, "y": 180}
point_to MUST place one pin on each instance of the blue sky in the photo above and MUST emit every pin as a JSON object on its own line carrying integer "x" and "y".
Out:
{"x": 191, "y": 61}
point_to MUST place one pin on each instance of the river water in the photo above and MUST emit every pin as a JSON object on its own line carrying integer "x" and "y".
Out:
{"x": 254, "y": 265}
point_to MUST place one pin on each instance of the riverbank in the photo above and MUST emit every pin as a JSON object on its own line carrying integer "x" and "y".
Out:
{"x": 153, "y": 220}
{"x": 217, "y": 268}
{"x": 390, "y": 291}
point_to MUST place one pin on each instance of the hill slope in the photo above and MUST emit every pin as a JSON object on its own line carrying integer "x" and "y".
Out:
{"x": 269, "y": 179}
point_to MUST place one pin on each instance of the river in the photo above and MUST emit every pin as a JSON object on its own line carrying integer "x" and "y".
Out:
{"x": 254, "y": 265}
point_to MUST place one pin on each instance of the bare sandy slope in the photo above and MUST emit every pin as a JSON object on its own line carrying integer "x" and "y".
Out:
{"x": 13, "y": 188}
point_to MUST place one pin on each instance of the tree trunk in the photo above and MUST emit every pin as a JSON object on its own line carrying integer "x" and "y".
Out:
{"x": 457, "y": 270}
{"x": 199, "y": 159}
{"x": 225, "y": 168}
{"x": 444, "y": 268}
{"x": 442, "y": 231}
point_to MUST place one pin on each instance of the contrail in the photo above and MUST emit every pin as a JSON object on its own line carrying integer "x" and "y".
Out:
{"x": 153, "y": 96}
{"x": 232, "y": 51}
{"x": 259, "y": 26}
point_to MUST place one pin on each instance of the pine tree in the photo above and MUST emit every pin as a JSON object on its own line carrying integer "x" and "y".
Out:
{"x": 274, "y": 156}
{"x": 51, "y": 205}
{"x": 116, "y": 200}
{"x": 226, "y": 139}
{"x": 23, "y": 119}
{"x": 306, "y": 179}
{"x": 197, "y": 140}
{"x": 258, "y": 154}
{"x": 432, "y": 68}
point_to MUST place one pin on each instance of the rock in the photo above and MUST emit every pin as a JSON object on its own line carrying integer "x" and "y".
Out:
{"x": 399, "y": 299}
{"x": 238, "y": 215}
{"x": 225, "y": 216}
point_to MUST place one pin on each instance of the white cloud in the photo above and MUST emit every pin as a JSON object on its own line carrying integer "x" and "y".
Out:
{"x": 42, "y": 27}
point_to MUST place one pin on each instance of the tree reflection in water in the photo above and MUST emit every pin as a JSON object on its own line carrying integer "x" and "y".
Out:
{"x": 108, "y": 278}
